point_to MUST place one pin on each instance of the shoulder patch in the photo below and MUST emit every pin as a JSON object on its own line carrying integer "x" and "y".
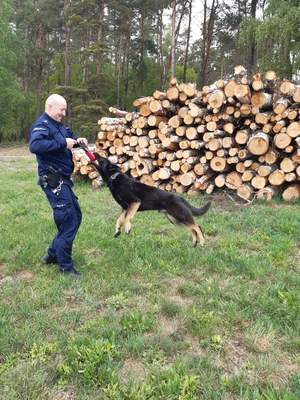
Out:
{"x": 39, "y": 129}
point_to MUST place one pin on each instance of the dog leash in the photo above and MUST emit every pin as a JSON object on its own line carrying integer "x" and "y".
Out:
{"x": 89, "y": 154}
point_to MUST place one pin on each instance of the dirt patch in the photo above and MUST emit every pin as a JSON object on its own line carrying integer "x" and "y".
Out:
{"x": 285, "y": 369}
{"x": 194, "y": 347}
{"x": 25, "y": 275}
{"x": 5, "y": 279}
{"x": 173, "y": 286}
{"x": 132, "y": 369}
{"x": 168, "y": 325}
{"x": 228, "y": 202}
{"x": 15, "y": 151}
{"x": 65, "y": 395}
{"x": 236, "y": 356}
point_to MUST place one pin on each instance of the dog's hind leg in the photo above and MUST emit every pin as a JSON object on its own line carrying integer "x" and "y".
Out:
{"x": 120, "y": 222}
{"x": 197, "y": 234}
{"x": 130, "y": 213}
{"x": 200, "y": 236}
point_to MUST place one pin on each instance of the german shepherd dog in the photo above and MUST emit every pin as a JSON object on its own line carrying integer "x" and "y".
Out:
{"x": 135, "y": 196}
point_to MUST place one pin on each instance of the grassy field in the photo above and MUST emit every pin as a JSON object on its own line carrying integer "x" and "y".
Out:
{"x": 151, "y": 317}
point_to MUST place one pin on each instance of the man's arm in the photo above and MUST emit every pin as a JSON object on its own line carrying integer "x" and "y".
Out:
{"x": 78, "y": 140}
{"x": 41, "y": 141}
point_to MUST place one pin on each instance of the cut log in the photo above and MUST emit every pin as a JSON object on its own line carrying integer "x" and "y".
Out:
{"x": 282, "y": 140}
{"x": 261, "y": 100}
{"x": 258, "y": 144}
{"x": 229, "y": 88}
{"x": 172, "y": 93}
{"x": 164, "y": 173}
{"x": 242, "y": 93}
{"x": 291, "y": 177}
{"x": 242, "y": 136}
{"x": 265, "y": 170}
{"x": 267, "y": 193}
{"x": 291, "y": 193}
{"x": 216, "y": 99}
{"x": 233, "y": 180}
{"x": 175, "y": 121}
{"x": 293, "y": 130}
{"x": 218, "y": 164}
{"x": 245, "y": 191}
{"x": 147, "y": 180}
{"x": 158, "y": 95}
{"x": 262, "y": 118}
{"x": 248, "y": 175}
{"x": 270, "y": 75}
{"x": 277, "y": 177}
{"x": 281, "y": 105}
{"x": 220, "y": 180}
{"x": 287, "y": 87}
{"x": 257, "y": 83}
{"x": 296, "y": 95}
{"x": 287, "y": 165}
{"x": 258, "y": 182}
{"x": 187, "y": 179}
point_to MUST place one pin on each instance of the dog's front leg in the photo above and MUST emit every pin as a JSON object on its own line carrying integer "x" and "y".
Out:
{"x": 120, "y": 223}
{"x": 131, "y": 210}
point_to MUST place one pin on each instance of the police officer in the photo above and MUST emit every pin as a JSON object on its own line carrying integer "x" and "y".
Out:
{"x": 52, "y": 142}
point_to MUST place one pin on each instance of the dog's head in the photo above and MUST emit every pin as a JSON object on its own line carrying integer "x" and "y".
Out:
{"x": 105, "y": 167}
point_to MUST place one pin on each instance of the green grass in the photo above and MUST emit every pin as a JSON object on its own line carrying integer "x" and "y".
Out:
{"x": 151, "y": 317}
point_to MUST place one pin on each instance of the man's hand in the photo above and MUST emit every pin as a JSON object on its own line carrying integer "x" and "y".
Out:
{"x": 70, "y": 143}
{"x": 82, "y": 141}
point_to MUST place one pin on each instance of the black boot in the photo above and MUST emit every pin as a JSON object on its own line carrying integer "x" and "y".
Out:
{"x": 71, "y": 271}
{"x": 49, "y": 259}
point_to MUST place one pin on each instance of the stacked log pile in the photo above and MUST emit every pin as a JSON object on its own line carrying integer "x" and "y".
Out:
{"x": 242, "y": 134}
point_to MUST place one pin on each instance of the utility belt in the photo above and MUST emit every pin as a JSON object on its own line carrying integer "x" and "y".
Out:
{"x": 54, "y": 179}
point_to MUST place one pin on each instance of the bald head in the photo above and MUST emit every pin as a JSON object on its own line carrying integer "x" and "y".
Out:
{"x": 56, "y": 107}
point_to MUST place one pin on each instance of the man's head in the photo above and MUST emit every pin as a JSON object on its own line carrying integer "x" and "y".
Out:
{"x": 56, "y": 107}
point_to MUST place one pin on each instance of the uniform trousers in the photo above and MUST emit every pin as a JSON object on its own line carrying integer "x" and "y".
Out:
{"x": 67, "y": 217}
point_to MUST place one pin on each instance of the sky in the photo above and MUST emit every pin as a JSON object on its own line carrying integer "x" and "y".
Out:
{"x": 196, "y": 19}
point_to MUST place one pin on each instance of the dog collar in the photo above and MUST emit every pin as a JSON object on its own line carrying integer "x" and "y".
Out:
{"x": 114, "y": 176}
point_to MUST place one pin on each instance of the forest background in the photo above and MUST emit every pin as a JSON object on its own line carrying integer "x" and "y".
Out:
{"x": 99, "y": 53}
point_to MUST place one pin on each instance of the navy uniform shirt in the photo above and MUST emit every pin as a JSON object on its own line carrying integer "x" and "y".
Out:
{"x": 48, "y": 142}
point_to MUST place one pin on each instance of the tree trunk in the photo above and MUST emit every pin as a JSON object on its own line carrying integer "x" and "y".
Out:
{"x": 173, "y": 53}
{"x": 187, "y": 41}
{"x": 67, "y": 45}
{"x": 207, "y": 36}
{"x": 100, "y": 38}
{"x": 86, "y": 58}
{"x": 252, "y": 48}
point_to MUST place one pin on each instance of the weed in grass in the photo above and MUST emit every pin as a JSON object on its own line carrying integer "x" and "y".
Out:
{"x": 170, "y": 308}
{"x": 90, "y": 361}
{"x": 117, "y": 301}
{"x": 136, "y": 322}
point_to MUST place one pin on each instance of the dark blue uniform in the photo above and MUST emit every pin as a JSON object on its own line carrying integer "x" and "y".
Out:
{"x": 48, "y": 142}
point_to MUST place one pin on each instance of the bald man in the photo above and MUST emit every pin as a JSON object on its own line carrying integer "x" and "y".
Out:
{"x": 51, "y": 141}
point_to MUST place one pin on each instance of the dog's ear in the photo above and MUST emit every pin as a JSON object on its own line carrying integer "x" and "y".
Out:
{"x": 98, "y": 157}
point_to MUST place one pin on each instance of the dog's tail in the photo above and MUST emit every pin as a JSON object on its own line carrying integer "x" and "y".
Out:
{"x": 198, "y": 211}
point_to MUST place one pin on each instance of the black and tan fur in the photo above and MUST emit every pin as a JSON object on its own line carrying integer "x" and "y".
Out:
{"x": 134, "y": 196}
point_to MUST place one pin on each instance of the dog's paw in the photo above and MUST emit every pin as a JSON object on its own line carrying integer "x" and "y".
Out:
{"x": 117, "y": 234}
{"x": 127, "y": 230}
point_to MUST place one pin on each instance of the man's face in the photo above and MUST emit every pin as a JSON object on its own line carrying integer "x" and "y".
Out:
{"x": 57, "y": 111}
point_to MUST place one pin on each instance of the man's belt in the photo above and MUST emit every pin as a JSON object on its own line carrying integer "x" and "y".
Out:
{"x": 54, "y": 179}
